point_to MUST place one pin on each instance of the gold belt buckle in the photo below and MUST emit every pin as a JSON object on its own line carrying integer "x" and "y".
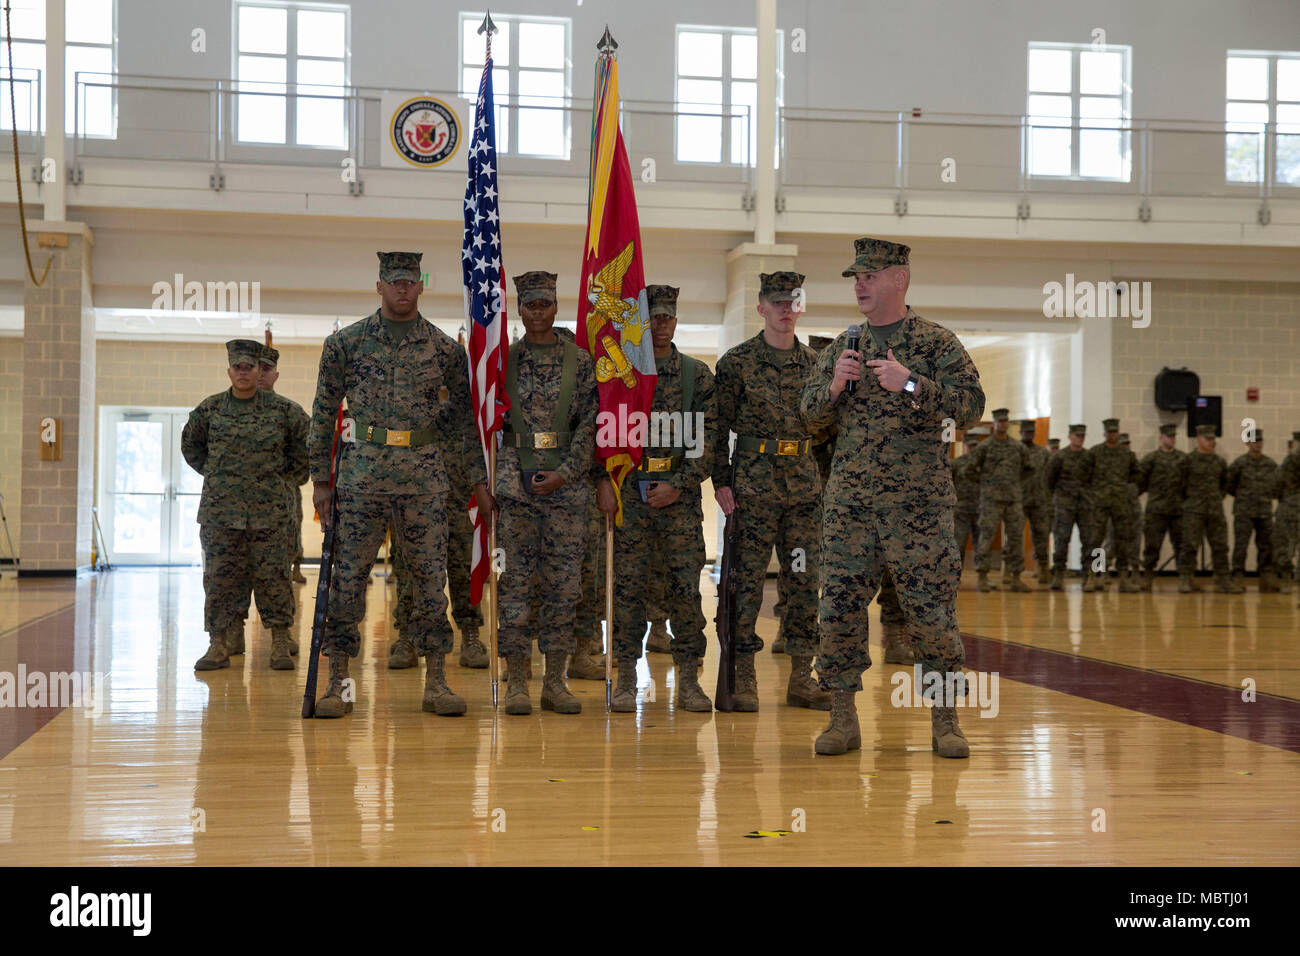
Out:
{"x": 659, "y": 464}
{"x": 398, "y": 438}
{"x": 787, "y": 447}
{"x": 545, "y": 440}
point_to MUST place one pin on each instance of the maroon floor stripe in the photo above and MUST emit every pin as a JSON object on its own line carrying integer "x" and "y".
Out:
{"x": 45, "y": 645}
{"x": 1274, "y": 721}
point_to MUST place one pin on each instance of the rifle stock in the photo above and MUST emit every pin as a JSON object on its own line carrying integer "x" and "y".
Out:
{"x": 322, "y": 591}
{"x": 724, "y": 696}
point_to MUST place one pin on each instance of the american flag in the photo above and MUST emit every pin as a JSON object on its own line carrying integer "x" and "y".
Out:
{"x": 485, "y": 303}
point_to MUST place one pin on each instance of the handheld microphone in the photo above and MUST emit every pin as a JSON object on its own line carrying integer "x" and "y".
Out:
{"x": 855, "y": 336}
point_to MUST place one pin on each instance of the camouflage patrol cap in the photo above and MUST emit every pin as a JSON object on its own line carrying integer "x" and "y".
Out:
{"x": 1204, "y": 431}
{"x": 1078, "y": 429}
{"x": 662, "y": 299}
{"x": 243, "y": 350}
{"x": 1028, "y": 425}
{"x": 1001, "y": 414}
{"x": 1110, "y": 424}
{"x": 779, "y": 286}
{"x": 270, "y": 356}
{"x": 1053, "y": 443}
{"x": 396, "y": 266}
{"x": 1123, "y": 438}
{"x": 535, "y": 286}
{"x": 1259, "y": 434}
{"x": 970, "y": 438}
{"x": 1169, "y": 430}
{"x": 872, "y": 255}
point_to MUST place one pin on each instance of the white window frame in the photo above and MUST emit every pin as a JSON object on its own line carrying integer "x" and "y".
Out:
{"x": 70, "y": 85}
{"x": 507, "y": 105}
{"x": 1270, "y": 134}
{"x": 726, "y": 79}
{"x": 291, "y": 58}
{"x": 1076, "y": 122}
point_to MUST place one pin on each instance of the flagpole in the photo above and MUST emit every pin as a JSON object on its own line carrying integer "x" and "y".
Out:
{"x": 492, "y": 575}
{"x": 609, "y": 613}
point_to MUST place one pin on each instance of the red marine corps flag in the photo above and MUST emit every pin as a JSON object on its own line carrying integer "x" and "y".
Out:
{"x": 613, "y": 317}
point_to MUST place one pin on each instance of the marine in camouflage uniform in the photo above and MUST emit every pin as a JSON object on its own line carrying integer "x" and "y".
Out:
{"x": 1001, "y": 465}
{"x": 889, "y": 501}
{"x": 1114, "y": 467}
{"x": 246, "y": 444}
{"x": 663, "y": 515}
{"x": 1252, "y": 479}
{"x": 1134, "y": 497}
{"x": 1287, "y": 519}
{"x": 1207, "y": 480}
{"x": 1035, "y": 501}
{"x": 774, "y": 482}
{"x": 1162, "y": 474}
{"x": 407, "y": 389}
{"x": 268, "y": 374}
{"x": 966, "y": 518}
{"x": 550, "y": 434}
{"x": 1069, "y": 479}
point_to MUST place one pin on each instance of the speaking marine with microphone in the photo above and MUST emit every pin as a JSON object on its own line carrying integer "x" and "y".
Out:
{"x": 898, "y": 399}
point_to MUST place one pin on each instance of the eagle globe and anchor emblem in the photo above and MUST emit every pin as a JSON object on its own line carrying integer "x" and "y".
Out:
{"x": 425, "y": 131}
{"x": 626, "y": 315}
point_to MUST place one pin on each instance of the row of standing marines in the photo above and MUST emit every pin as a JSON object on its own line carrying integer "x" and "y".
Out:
{"x": 878, "y": 513}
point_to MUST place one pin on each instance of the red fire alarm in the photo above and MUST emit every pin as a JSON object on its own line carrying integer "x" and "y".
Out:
{"x": 1252, "y": 394}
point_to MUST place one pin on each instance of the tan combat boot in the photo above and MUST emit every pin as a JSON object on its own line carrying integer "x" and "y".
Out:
{"x": 402, "y": 654}
{"x": 1283, "y": 584}
{"x": 234, "y": 640}
{"x": 1225, "y": 585}
{"x": 438, "y": 697}
{"x": 624, "y": 699}
{"x": 1268, "y": 584}
{"x": 472, "y": 652}
{"x": 216, "y": 656}
{"x": 1044, "y": 574}
{"x": 778, "y": 646}
{"x": 528, "y": 669}
{"x": 297, "y": 573}
{"x": 802, "y": 690}
{"x": 842, "y": 733}
{"x": 660, "y": 641}
{"x": 1148, "y": 580}
{"x": 333, "y": 704}
{"x": 1090, "y": 582}
{"x": 583, "y": 664}
{"x": 1186, "y": 583}
{"x": 898, "y": 649}
{"x": 983, "y": 585}
{"x": 1058, "y": 578}
{"x": 1012, "y": 582}
{"x": 946, "y": 737}
{"x": 690, "y": 695}
{"x": 1128, "y": 582}
{"x": 281, "y": 659}
{"x": 518, "y": 702}
{"x": 555, "y": 695}
{"x": 745, "y": 693}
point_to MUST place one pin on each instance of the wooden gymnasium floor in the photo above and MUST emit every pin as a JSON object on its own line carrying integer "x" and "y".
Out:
{"x": 1125, "y": 704}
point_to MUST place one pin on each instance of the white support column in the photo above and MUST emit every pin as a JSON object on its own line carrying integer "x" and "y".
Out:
{"x": 765, "y": 173}
{"x": 54, "y": 194}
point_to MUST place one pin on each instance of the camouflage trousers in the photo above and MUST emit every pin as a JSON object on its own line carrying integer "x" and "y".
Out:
{"x": 419, "y": 526}
{"x": 1154, "y": 528}
{"x": 1118, "y": 512}
{"x": 1070, "y": 513}
{"x": 1286, "y": 534}
{"x": 1212, "y": 527}
{"x": 1012, "y": 518}
{"x": 1039, "y": 516}
{"x": 676, "y": 535}
{"x": 1135, "y": 543}
{"x": 793, "y": 528}
{"x": 295, "y": 524}
{"x": 460, "y": 553}
{"x": 967, "y": 525}
{"x": 544, "y": 538}
{"x": 891, "y": 611}
{"x": 237, "y": 564}
{"x": 920, "y": 552}
{"x": 1243, "y": 526}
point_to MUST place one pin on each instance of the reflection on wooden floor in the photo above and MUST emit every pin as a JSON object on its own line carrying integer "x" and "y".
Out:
{"x": 218, "y": 768}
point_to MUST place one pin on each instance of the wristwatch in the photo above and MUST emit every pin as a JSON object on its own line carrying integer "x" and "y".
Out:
{"x": 910, "y": 387}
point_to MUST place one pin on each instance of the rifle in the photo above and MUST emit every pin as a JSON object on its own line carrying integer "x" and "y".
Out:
{"x": 322, "y": 589}
{"x": 724, "y": 696}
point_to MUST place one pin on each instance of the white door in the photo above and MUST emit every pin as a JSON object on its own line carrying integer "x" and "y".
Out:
{"x": 148, "y": 495}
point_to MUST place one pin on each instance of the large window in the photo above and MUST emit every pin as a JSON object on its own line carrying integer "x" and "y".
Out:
{"x": 291, "y": 64}
{"x": 531, "y": 69}
{"x": 1263, "y": 88}
{"x": 1079, "y": 111}
{"x": 717, "y": 77}
{"x": 90, "y": 50}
